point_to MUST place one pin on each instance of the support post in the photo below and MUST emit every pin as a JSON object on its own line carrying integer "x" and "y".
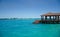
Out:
{"x": 58, "y": 18}
{"x": 50, "y": 17}
{"x": 42, "y": 18}
{"x": 53, "y": 17}
{"x": 45, "y": 17}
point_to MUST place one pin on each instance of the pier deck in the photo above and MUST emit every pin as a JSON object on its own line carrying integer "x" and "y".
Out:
{"x": 49, "y": 18}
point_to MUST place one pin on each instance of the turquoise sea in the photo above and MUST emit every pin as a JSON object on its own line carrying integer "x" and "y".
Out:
{"x": 25, "y": 28}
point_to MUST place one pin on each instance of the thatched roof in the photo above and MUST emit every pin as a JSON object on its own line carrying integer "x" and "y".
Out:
{"x": 51, "y": 14}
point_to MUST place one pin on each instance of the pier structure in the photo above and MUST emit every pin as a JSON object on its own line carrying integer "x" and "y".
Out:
{"x": 50, "y": 18}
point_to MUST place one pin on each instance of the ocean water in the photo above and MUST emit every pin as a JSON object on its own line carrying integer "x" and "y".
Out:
{"x": 25, "y": 28}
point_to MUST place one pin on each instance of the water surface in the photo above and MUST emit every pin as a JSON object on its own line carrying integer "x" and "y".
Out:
{"x": 25, "y": 28}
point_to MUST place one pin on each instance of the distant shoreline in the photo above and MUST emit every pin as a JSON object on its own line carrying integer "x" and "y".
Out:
{"x": 16, "y": 18}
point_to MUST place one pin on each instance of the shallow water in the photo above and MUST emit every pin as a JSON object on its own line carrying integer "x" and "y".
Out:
{"x": 25, "y": 28}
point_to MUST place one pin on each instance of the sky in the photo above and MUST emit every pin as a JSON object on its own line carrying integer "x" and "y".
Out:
{"x": 27, "y": 8}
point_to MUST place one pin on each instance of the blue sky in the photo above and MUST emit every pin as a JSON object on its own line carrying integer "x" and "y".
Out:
{"x": 27, "y": 8}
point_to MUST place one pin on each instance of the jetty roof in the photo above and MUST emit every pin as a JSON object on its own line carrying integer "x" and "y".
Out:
{"x": 51, "y": 14}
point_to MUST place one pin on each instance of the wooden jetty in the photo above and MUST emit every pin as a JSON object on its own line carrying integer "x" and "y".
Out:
{"x": 49, "y": 18}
